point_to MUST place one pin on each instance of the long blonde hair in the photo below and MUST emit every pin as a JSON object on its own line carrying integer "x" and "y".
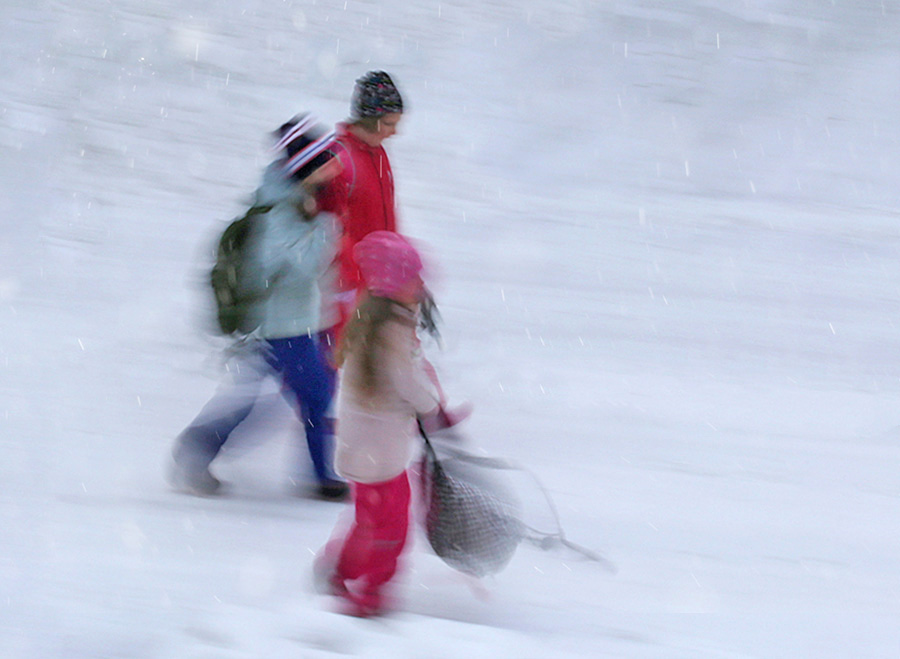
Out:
{"x": 362, "y": 336}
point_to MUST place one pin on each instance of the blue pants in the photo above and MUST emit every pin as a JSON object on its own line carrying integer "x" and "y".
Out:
{"x": 308, "y": 383}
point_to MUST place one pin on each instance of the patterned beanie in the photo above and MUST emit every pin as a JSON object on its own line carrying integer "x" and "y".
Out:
{"x": 375, "y": 95}
{"x": 387, "y": 262}
{"x": 305, "y": 143}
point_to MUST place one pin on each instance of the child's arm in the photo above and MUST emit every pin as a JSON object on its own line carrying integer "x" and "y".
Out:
{"x": 414, "y": 378}
{"x": 306, "y": 253}
{"x": 406, "y": 372}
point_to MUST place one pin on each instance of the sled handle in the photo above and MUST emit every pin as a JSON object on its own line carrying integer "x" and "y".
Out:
{"x": 428, "y": 446}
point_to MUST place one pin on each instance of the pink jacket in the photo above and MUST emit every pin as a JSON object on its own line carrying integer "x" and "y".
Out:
{"x": 376, "y": 434}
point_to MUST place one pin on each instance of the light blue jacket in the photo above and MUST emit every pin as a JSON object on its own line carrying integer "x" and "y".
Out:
{"x": 290, "y": 257}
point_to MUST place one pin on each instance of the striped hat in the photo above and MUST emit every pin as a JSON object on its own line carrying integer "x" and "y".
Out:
{"x": 306, "y": 144}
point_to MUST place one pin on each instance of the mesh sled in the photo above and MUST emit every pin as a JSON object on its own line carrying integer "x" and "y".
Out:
{"x": 475, "y": 526}
{"x": 472, "y": 529}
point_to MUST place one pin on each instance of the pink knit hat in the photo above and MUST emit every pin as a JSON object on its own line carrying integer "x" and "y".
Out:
{"x": 387, "y": 262}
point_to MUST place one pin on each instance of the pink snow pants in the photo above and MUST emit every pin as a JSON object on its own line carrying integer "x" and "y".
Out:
{"x": 378, "y": 533}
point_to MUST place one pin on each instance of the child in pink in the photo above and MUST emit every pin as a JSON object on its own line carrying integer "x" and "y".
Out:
{"x": 384, "y": 387}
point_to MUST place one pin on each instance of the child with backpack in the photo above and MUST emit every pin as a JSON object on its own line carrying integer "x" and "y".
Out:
{"x": 384, "y": 388}
{"x": 269, "y": 289}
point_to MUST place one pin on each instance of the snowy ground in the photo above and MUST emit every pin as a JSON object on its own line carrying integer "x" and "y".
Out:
{"x": 667, "y": 236}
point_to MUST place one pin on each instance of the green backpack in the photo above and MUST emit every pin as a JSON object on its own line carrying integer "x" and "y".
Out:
{"x": 234, "y": 287}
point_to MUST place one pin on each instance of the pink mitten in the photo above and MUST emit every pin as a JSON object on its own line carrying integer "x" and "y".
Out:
{"x": 446, "y": 417}
{"x": 458, "y": 414}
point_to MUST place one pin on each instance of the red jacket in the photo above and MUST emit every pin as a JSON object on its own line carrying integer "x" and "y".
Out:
{"x": 362, "y": 197}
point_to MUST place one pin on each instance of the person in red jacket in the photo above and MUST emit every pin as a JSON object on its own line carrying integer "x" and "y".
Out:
{"x": 363, "y": 195}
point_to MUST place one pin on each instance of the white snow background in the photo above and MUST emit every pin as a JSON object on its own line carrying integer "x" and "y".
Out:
{"x": 666, "y": 237}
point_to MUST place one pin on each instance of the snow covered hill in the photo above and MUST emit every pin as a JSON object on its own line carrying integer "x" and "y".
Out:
{"x": 666, "y": 244}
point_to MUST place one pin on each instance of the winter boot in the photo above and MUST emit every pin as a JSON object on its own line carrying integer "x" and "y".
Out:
{"x": 333, "y": 490}
{"x": 189, "y": 472}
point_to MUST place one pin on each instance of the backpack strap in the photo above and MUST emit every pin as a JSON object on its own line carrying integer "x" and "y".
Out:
{"x": 258, "y": 209}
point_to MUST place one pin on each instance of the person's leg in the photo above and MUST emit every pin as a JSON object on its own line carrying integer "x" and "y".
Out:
{"x": 310, "y": 384}
{"x": 370, "y": 553}
{"x": 392, "y": 526}
{"x": 326, "y": 340}
{"x": 199, "y": 444}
